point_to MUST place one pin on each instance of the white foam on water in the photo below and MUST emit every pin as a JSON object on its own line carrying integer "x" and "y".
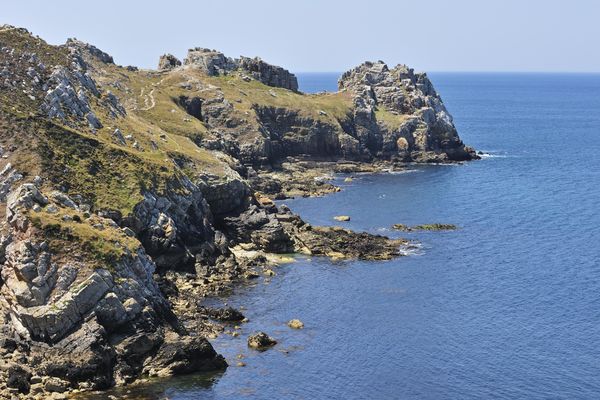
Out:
{"x": 412, "y": 249}
{"x": 492, "y": 154}
{"x": 402, "y": 171}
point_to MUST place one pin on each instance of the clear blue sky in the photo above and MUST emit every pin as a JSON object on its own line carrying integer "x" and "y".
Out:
{"x": 322, "y": 35}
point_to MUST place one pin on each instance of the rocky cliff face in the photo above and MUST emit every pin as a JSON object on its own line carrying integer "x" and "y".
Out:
{"x": 379, "y": 114}
{"x": 398, "y": 113}
{"x": 87, "y": 314}
{"x": 126, "y": 193}
{"x": 213, "y": 62}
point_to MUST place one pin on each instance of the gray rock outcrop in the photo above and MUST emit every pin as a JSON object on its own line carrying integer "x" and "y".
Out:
{"x": 90, "y": 50}
{"x": 84, "y": 321}
{"x": 175, "y": 227}
{"x": 167, "y": 62}
{"x": 213, "y": 62}
{"x": 424, "y": 130}
{"x": 268, "y": 74}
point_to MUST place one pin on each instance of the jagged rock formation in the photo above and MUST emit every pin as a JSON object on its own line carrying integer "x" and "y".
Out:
{"x": 82, "y": 318}
{"x": 125, "y": 193}
{"x": 168, "y": 61}
{"x": 414, "y": 124}
{"x": 379, "y": 114}
{"x": 213, "y": 62}
{"x": 268, "y": 74}
{"x": 89, "y": 50}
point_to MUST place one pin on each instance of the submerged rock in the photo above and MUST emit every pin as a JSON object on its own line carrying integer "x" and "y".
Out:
{"x": 261, "y": 340}
{"x": 424, "y": 227}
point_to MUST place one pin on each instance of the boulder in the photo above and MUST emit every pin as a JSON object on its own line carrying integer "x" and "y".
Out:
{"x": 62, "y": 199}
{"x": 228, "y": 314}
{"x": 119, "y": 138}
{"x": 55, "y": 385}
{"x": 18, "y": 378}
{"x": 261, "y": 340}
{"x": 295, "y": 324}
{"x": 184, "y": 355}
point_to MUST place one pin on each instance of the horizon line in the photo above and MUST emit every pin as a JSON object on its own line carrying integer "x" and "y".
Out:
{"x": 473, "y": 72}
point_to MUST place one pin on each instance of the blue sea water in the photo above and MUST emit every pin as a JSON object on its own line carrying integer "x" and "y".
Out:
{"x": 505, "y": 307}
{"x": 314, "y": 82}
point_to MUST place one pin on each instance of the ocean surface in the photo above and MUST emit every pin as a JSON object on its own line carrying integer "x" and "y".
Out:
{"x": 505, "y": 307}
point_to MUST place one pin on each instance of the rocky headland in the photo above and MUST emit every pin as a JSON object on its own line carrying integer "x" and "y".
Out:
{"x": 128, "y": 195}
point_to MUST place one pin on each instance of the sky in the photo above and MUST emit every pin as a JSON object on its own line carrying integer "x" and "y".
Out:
{"x": 334, "y": 35}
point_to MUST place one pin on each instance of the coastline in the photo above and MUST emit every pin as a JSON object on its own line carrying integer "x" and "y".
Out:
{"x": 222, "y": 288}
{"x": 149, "y": 190}
{"x": 223, "y": 330}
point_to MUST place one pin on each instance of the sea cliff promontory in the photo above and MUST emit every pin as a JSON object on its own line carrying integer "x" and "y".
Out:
{"x": 128, "y": 194}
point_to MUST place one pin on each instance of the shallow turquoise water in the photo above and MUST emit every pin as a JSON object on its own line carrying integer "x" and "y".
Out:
{"x": 506, "y": 307}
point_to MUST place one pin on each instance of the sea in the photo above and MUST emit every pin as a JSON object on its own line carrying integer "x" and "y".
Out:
{"x": 505, "y": 307}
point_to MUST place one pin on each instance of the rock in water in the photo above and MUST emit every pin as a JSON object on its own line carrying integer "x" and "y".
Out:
{"x": 295, "y": 324}
{"x": 261, "y": 340}
{"x": 424, "y": 227}
{"x": 228, "y": 314}
{"x": 178, "y": 356}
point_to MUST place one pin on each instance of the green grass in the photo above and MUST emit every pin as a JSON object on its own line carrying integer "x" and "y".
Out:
{"x": 390, "y": 119}
{"x": 244, "y": 95}
{"x": 107, "y": 176}
{"x": 14, "y": 101}
{"x": 106, "y": 246}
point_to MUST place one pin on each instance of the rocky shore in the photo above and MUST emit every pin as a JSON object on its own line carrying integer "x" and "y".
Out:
{"x": 127, "y": 196}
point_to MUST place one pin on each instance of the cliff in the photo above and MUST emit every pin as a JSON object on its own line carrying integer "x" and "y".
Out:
{"x": 125, "y": 193}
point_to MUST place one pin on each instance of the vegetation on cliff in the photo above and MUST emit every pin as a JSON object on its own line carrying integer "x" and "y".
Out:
{"x": 125, "y": 192}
